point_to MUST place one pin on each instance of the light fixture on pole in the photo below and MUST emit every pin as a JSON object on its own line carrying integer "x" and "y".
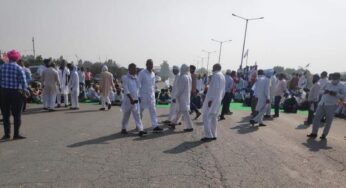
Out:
{"x": 247, "y": 20}
{"x": 220, "y": 42}
{"x": 208, "y": 52}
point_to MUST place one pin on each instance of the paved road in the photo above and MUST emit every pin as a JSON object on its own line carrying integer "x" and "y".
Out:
{"x": 84, "y": 149}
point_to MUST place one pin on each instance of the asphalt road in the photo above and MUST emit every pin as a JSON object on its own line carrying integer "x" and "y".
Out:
{"x": 84, "y": 149}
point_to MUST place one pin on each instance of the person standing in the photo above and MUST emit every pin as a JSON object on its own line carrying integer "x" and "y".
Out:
{"x": 313, "y": 98}
{"x": 131, "y": 100}
{"x": 261, "y": 91}
{"x": 323, "y": 82}
{"x": 40, "y": 70}
{"x": 173, "y": 109}
{"x": 51, "y": 85}
{"x": 74, "y": 87}
{"x": 106, "y": 86}
{"x": 193, "y": 106}
{"x": 88, "y": 77}
{"x": 212, "y": 103}
{"x": 182, "y": 98}
{"x": 64, "y": 74}
{"x": 280, "y": 90}
{"x": 81, "y": 76}
{"x": 146, "y": 80}
{"x": 333, "y": 93}
{"x": 13, "y": 88}
{"x": 228, "y": 95}
{"x": 272, "y": 84}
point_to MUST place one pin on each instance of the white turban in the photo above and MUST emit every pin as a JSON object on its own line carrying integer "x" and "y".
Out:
{"x": 104, "y": 68}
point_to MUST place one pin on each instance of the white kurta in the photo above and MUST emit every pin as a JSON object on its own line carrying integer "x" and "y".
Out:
{"x": 263, "y": 94}
{"x": 183, "y": 92}
{"x": 63, "y": 77}
{"x": 215, "y": 94}
{"x": 74, "y": 88}
{"x": 174, "y": 106}
{"x": 51, "y": 82}
{"x": 130, "y": 87}
{"x": 146, "y": 82}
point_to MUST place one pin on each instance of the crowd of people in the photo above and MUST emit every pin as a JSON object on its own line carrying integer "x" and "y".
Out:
{"x": 207, "y": 95}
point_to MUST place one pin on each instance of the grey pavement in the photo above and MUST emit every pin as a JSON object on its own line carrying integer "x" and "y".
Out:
{"x": 84, "y": 149}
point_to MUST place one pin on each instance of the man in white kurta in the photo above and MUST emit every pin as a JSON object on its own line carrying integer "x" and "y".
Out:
{"x": 63, "y": 77}
{"x": 182, "y": 98}
{"x": 262, "y": 93}
{"x": 51, "y": 85}
{"x": 130, "y": 103}
{"x": 74, "y": 88}
{"x": 173, "y": 108}
{"x": 272, "y": 84}
{"x": 146, "y": 79}
{"x": 40, "y": 71}
{"x": 212, "y": 103}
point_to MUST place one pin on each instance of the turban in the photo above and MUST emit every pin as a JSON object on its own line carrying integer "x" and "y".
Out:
{"x": 104, "y": 68}
{"x": 13, "y": 55}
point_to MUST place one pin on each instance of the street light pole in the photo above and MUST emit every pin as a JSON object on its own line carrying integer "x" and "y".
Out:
{"x": 220, "y": 42}
{"x": 208, "y": 52}
{"x": 247, "y": 21}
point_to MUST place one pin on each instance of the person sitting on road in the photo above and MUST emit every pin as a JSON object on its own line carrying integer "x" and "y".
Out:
{"x": 118, "y": 97}
{"x": 93, "y": 93}
{"x": 164, "y": 97}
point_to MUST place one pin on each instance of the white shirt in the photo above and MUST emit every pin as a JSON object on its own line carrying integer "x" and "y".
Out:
{"x": 130, "y": 86}
{"x": 146, "y": 81}
{"x": 328, "y": 100}
{"x": 216, "y": 92}
{"x": 314, "y": 94}
{"x": 323, "y": 83}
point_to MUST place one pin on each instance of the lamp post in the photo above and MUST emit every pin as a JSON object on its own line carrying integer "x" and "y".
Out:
{"x": 208, "y": 52}
{"x": 247, "y": 21}
{"x": 220, "y": 42}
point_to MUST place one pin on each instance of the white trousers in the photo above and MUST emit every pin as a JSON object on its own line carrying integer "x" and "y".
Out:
{"x": 135, "y": 113}
{"x": 105, "y": 100}
{"x": 45, "y": 100}
{"x": 74, "y": 99}
{"x": 152, "y": 112}
{"x": 186, "y": 119}
{"x": 259, "y": 117}
{"x": 210, "y": 125}
{"x": 51, "y": 101}
{"x": 59, "y": 98}
{"x": 172, "y": 112}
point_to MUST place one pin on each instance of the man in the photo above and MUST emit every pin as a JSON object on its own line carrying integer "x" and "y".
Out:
{"x": 280, "y": 90}
{"x": 228, "y": 95}
{"x": 212, "y": 103}
{"x": 81, "y": 77}
{"x": 41, "y": 69}
{"x": 88, "y": 77}
{"x": 261, "y": 92}
{"x": 333, "y": 93}
{"x": 63, "y": 77}
{"x": 182, "y": 98}
{"x": 13, "y": 87}
{"x": 293, "y": 85}
{"x": 51, "y": 84}
{"x": 146, "y": 80}
{"x": 272, "y": 84}
{"x": 74, "y": 87}
{"x": 313, "y": 98}
{"x": 106, "y": 86}
{"x": 173, "y": 109}
{"x": 131, "y": 100}
{"x": 193, "y": 106}
{"x": 323, "y": 82}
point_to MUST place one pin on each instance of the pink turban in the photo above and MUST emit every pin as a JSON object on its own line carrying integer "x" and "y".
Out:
{"x": 13, "y": 55}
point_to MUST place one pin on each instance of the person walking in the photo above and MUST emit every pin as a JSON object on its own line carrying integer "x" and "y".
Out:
{"x": 212, "y": 103}
{"x": 13, "y": 88}
{"x": 228, "y": 95}
{"x": 280, "y": 90}
{"x": 313, "y": 98}
{"x": 193, "y": 106}
{"x": 173, "y": 108}
{"x": 106, "y": 86}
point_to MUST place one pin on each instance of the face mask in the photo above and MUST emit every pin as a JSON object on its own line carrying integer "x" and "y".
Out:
{"x": 335, "y": 82}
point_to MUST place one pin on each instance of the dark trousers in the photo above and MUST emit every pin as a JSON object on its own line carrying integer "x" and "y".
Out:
{"x": 226, "y": 101}
{"x": 11, "y": 102}
{"x": 87, "y": 84}
{"x": 277, "y": 100}
{"x": 311, "y": 112}
{"x": 193, "y": 106}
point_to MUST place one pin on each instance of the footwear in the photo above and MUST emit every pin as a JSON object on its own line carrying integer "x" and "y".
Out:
{"x": 229, "y": 113}
{"x": 66, "y": 105}
{"x": 323, "y": 137}
{"x": 197, "y": 115}
{"x": 51, "y": 110}
{"x": 253, "y": 122}
{"x": 141, "y": 133}
{"x": 188, "y": 130}
{"x": 307, "y": 123}
{"x": 166, "y": 122}
{"x": 221, "y": 118}
{"x": 275, "y": 116}
{"x": 5, "y": 138}
{"x": 172, "y": 126}
{"x": 214, "y": 138}
{"x": 123, "y": 131}
{"x": 58, "y": 106}
{"x": 312, "y": 135}
{"x": 45, "y": 108}
{"x": 157, "y": 129}
{"x": 102, "y": 109}
{"x": 262, "y": 125}
{"x": 109, "y": 106}
{"x": 205, "y": 139}
{"x": 268, "y": 117}
{"x": 18, "y": 137}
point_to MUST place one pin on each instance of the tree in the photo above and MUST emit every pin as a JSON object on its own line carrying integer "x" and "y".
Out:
{"x": 201, "y": 71}
{"x": 279, "y": 69}
{"x": 164, "y": 71}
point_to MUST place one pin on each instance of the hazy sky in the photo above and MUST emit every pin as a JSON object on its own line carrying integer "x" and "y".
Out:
{"x": 293, "y": 32}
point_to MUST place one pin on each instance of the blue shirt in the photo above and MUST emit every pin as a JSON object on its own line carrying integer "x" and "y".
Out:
{"x": 229, "y": 83}
{"x": 12, "y": 76}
